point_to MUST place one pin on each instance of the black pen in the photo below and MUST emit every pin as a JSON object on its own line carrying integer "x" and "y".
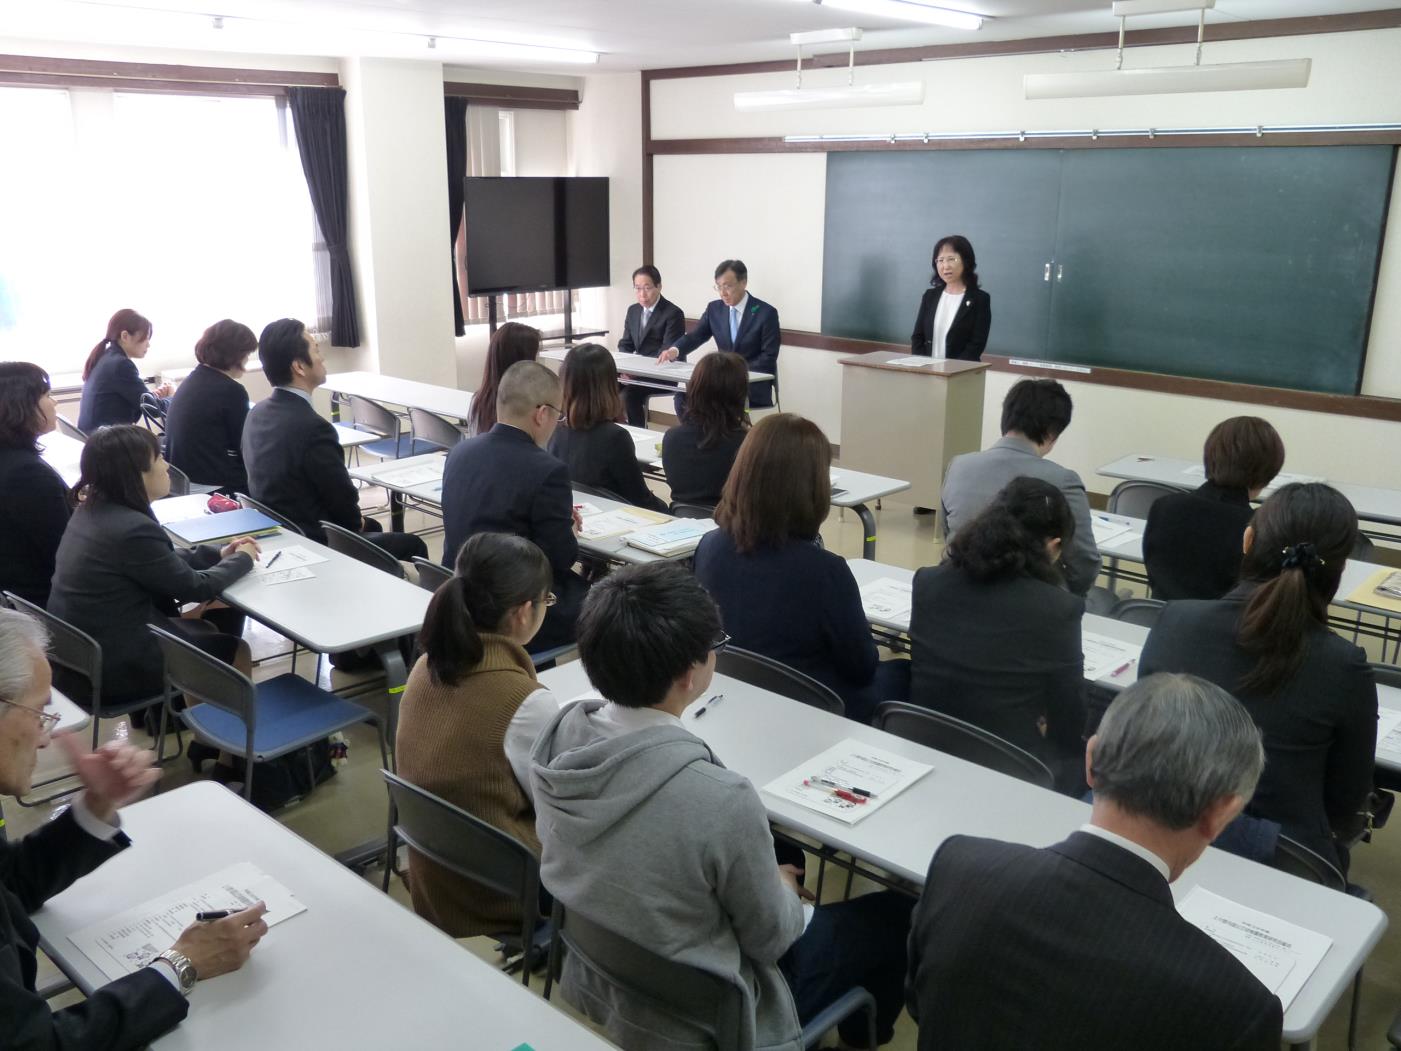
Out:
{"x": 210, "y": 917}
{"x": 709, "y": 704}
{"x": 274, "y": 558}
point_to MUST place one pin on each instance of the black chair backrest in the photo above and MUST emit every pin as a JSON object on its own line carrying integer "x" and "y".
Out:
{"x": 1298, "y": 860}
{"x": 179, "y": 481}
{"x": 963, "y": 740}
{"x": 1387, "y": 674}
{"x": 372, "y": 416}
{"x": 430, "y": 427}
{"x": 244, "y": 500}
{"x": 776, "y": 677}
{"x": 69, "y": 648}
{"x": 68, "y": 427}
{"x": 1135, "y": 498}
{"x": 360, "y": 549}
{"x": 1141, "y": 611}
{"x": 692, "y": 511}
{"x": 153, "y": 412}
{"x": 431, "y": 575}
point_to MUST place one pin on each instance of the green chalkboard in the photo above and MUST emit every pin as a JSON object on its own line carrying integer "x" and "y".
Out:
{"x": 1254, "y": 265}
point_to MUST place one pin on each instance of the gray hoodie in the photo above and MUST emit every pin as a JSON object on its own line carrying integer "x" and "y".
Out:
{"x": 647, "y": 834}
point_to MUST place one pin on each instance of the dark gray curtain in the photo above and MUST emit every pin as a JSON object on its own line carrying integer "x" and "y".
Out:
{"x": 318, "y": 115}
{"x": 455, "y": 111}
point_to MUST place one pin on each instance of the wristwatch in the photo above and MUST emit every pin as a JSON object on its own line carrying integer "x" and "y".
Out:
{"x": 185, "y": 972}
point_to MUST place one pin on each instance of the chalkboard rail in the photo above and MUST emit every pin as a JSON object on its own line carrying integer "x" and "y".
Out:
{"x": 775, "y": 144}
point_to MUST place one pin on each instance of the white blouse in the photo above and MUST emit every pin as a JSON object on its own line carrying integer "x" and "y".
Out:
{"x": 947, "y": 310}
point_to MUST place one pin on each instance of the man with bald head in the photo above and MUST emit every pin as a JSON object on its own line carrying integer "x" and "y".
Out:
{"x": 505, "y": 482}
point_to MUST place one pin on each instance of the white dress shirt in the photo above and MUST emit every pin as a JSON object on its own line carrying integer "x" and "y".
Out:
{"x": 1136, "y": 849}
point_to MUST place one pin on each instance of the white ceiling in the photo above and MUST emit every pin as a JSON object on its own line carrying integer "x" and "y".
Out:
{"x": 628, "y": 34}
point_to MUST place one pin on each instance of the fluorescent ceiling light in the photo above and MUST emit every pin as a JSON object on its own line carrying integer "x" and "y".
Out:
{"x": 1128, "y": 8}
{"x": 825, "y": 36}
{"x": 907, "y": 11}
{"x": 1167, "y": 80}
{"x": 846, "y": 96}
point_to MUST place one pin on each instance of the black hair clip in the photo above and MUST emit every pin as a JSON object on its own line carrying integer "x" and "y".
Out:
{"x": 1300, "y": 556}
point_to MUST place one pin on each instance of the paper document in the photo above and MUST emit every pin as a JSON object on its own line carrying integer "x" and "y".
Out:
{"x": 848, "y": 781}
{"x": 1280, "y": 954}
{"x": 1389, "y": 733}
{"x": 604, "y": 524}
{"x": 1109, "y": 530}
{"x": 910, "y": 361}
{"x": 1105, "y": 657}
{"x": 888, "y": 601}
{"x": 293, "y": 557}
{"x": 678, "y": 537}
{"x": 282, "y": 576}
{"x": 180, "y": 508}
{"x": 127, "y": 942}
{"x": 405, "y": 477}
{"x": 588, "y": 509}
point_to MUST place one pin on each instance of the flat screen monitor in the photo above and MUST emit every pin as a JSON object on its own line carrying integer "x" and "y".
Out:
{"x": 536, "y": 234}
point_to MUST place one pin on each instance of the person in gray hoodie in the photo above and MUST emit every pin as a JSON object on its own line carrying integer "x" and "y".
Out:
{"x": 644, "y": 831}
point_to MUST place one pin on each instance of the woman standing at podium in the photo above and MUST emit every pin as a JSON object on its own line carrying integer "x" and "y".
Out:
{"x": 954, "y": 314}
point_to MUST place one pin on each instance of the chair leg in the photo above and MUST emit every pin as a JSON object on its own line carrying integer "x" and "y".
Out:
{"x": 1352, "y": 1013}
{"x": 556, "y": 947}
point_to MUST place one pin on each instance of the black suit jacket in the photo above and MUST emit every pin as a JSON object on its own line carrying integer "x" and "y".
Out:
{"x": 696, "y": 475}
{"x": 757, "y": 341}
{"x": 1073, "y": 947}
{"x": 296, "y": 467}
{"x": 34, "y": 506}
{"x": 1192, "y": 542}
{"x": 666, "y": 325}
{"x": 968, "y": 335}
{"x": 111, "y": 393}
{"x": 1320, "y": 728}
{"x": 604, "y": 457}
{"x": 204, "y": 429}
{"x": 128, "y": 1013}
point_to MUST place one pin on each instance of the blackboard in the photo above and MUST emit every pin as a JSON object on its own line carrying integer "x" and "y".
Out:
{"x": 1254, "y": 265}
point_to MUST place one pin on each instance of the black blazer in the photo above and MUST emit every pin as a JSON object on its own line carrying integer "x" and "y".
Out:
{"x": 757, "y": 341}
{"x": 118, "y": 572}
{"x": 697, "y": 475}
{"x": 604, "y": 457}
{"x": 1001, "y": 655}
{"x": 1320, "y": 728}
{"x": 1067, "y": 948}
{"x": 296, "y": 467}
{"x": 666, "y": 325}
{"x": 111, "y": 393}
{"x": 968, "y": 335}
{"x": 1192, "y": 542}
{"x": 126, "y": 1014}
{"x": 204, "y": 429}
{"x": 502, "y": 482}
{"x": 34, "y": 506}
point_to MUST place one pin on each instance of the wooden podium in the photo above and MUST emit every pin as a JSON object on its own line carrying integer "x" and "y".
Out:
{"x": 909, "y": 422}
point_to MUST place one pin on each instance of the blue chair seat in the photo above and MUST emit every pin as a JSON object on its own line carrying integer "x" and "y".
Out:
{"x": 389, "y": 449}
{"x": 292, "y": 713}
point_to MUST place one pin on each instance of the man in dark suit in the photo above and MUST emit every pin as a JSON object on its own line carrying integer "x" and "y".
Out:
{"x": 134, "y": 1010}
{"x": 737, "y": 322}
{"x": 1079, "y": 945}
{"x": 505, "y": 482}
{"x": 652, "y": 323}
{"x": 294, "y": 461}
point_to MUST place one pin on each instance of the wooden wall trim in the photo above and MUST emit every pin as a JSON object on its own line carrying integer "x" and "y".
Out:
{"x": 648, "y": 172}
{"x": 514, "y": 96}
{"x": 146, "y": 76}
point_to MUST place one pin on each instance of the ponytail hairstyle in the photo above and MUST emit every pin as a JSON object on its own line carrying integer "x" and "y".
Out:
{"x": 111, "y": 466}
{"x": 1009, "y": 538}
{"x": 1303, "y": 535}
{"x": 495, "y": 573}
{"x": 124, "y": 320}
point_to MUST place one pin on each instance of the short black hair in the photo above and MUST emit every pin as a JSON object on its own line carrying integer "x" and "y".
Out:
{"x": 741, "y": 271}
{"x": 641, "y": 628}
{"x": 1038, "y": 409}
{"x": 650, "y": 272}
{"x": 113, "y": 460}
{"x": 22, "y": 385}
{"x": 281, "y": 344}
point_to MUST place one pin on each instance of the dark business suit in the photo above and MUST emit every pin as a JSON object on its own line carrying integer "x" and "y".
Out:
{"x": 204, "y": 429}
{"x": 1320, "y": 727}
{"x": 604, "y": 457}
{"x": 1068, "y": 948}
{"x": 696, "y": 475}
{"x": 1192, "y": 542}
{"x": 1002, "y": 654}
{"x": 968, "y": 335}
{"x": 666, "y": 325}
{"x": 125, "y": 1014}
{"x": 111, "y": 393}
{"x": 502, "y": 482}
{"x": 757, "y": 342}
{"x": 34, "y": 506}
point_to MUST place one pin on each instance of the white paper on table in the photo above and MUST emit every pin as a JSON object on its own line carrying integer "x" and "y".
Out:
{"x": 418, "y": 475}
{"x": 1104, "y": 656}
{"x": 850, "y": 766}
{"x": 180, "y": 508}
{"x": 587, "y": 509}
{"x": 1280, "y": 954}
{"x": 910, "y": 361}
{"x": 604, "y": 524}
{"x": 269, "y": 577}
{"x": 293, "y": 557}
{"x": 1108, "y": 531}
{"x": 128, "y": 941}
{"x": 887, "y": 599}
{"x": 1389, "y": 732}
{"x": 674, "y": 537}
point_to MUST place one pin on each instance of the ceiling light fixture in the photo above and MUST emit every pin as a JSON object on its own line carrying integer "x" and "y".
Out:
{"x": 907, "y": 11}
{"x": 844, "y": 96}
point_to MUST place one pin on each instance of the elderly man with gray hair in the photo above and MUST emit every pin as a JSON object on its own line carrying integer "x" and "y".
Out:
{"x": 132, "y": 1011}
{"x": 1078, "y": 945}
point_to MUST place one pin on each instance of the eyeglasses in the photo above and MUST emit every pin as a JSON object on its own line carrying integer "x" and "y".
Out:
{"x": 718, "y": 646}
{"x": 47, "y": 720}
{"x": 726, "y": 289}
{"x": 648, "y": 289}
{"x": 551, "y": 598}
{"x": 948, "y": 259}
{"x": 559, "y": 413}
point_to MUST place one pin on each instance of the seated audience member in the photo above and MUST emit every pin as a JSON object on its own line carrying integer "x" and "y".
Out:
{"x": 994, "y": 635}
{"x": 505, "y": 482}
{"x": 112, "y": 386}
{"x": 645, "y": 832}
{"x": 1192, "y": 542}
{"x": 1078, "y": 945}
{"x": 118, "y": 572}
{"x": 698, "y": 454}
{"x": 204, "y": 426}
{"x": 653, "y": 322}
{"x": 781, "y": 594}
{"x": 510, "y": 343}
{"x": 470, "y": 715}
{"x": 34, "y": 501}
{"x": 1035, "y": 414}
{"x": 737, "y": 322}
{"x": 1310, "y": 691}
{"x": 294, "y": 460}
{"x": 132, "y": 1011}
{"x": 596, "y": 450}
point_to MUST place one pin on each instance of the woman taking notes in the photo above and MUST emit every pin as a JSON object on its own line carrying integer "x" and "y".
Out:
{"x": 112, "y": 386}
{"x": 955, "y": 314}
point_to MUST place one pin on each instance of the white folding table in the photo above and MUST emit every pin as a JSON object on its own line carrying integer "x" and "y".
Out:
{"x": 410, "y": 394}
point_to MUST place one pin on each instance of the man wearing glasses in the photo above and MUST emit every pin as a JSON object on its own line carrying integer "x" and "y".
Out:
{"x": 653, "y": 322}
{"x": 737, "y": 322}
{"x": 134, "y": 1010}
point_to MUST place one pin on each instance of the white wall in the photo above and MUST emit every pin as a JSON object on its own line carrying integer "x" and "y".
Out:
{"x": 542, "y": 142}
